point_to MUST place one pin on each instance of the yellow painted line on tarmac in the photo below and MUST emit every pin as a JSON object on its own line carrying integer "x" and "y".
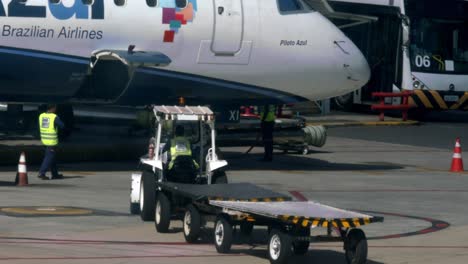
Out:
{"x": 438, "y": 170}
{"x": 365, "y": 123}
{"x": 51, "y": 210}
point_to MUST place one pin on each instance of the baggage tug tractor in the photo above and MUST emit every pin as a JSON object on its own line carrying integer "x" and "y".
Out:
{"x": 202, "y": 167}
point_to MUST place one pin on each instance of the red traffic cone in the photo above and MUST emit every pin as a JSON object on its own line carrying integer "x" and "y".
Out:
{"x": 457, "y": 161}
{"x": 22, "y": 175}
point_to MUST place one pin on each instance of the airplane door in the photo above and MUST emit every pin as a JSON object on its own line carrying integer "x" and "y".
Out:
{"x": 228, "y": 27}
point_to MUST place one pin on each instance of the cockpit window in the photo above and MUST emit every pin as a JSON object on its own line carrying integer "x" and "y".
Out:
{"x": 87, "y": 2}
{"x": 120, "y": 2}
{"x": 152, "y": 3}
{"x": 289, "y": 5}
{"x": 55, "y": 2}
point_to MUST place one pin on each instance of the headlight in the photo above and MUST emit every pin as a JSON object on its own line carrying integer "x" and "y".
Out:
{"x": 416, "y": 84}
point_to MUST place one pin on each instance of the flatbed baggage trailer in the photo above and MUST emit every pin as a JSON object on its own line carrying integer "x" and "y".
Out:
{"x": 247, "y": 205}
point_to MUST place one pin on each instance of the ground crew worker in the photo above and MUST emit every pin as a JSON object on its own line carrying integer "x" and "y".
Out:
{"x": 49, "y": 123}
{"x": 267, "y": 117}
{"x": 179, "y": 146}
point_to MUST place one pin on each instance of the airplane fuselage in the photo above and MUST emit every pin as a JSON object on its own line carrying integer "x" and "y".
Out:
{"x": 226, "y": 50}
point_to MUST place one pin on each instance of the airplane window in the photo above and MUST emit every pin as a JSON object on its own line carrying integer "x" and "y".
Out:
{"x": 87, "y": 2}
{"x": 152, "y": 3}
{"x": 55, "y": 2}
{"x": 289, "y": 5}
{"x": 120, "y": 2}
{"x": 181, "y": 3}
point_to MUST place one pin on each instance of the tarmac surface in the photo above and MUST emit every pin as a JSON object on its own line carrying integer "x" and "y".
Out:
{"x": 401, "y": 173}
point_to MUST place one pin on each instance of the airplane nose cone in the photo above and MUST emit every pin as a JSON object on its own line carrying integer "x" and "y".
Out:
{"x": 360, "y": 70}
{"x": 354, "y": 64}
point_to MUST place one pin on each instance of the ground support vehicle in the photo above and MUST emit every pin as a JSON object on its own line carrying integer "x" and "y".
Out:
{"x": 199, "y": 124}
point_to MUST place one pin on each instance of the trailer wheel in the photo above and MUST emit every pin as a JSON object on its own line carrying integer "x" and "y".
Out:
{"x": 220, "y": 177}
{"x": 223, "y": 234}
{"x": 356, "y": 247}
{"x": 147, "y": 196}
{"x": 162, "y": 218}
{"x": 279, "y": 246}
{"x": 192, "y": 224}
{"x": 301, "y": 247}
{"x": 246, "y": 228}
{"x": 134, "y": 208}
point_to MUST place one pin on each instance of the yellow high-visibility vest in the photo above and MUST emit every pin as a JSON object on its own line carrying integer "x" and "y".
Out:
{"x": 49, "y": 134}
{"x": 270, "y": 115}
{"x": 180, "y": 146}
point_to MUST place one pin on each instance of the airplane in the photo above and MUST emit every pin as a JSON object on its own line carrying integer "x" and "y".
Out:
{"x": 135, "y": 53}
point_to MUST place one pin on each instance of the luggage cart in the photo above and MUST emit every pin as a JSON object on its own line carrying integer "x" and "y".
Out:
{"x": 247, "y": 205}
{"x": 289, "y": 224}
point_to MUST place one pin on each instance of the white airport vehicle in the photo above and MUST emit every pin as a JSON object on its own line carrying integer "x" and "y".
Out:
{"x": 199, "y": 123}
{"x": 222, "y": 52}
{"x": 410, "y": 45}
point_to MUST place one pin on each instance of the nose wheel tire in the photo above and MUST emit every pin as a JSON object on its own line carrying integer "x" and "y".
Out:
{"x": 279, "y": 247}
{"x": 162, "y": 217}
{"x": 223, "y": 235}
{"x": 147, "y": 196}
{"x": 356, "y": 247}
{"x": 192, "y": 224}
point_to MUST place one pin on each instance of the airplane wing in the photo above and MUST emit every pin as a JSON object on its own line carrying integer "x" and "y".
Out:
{"x": 324, "y": 7}
{"x": 132, "y": 59}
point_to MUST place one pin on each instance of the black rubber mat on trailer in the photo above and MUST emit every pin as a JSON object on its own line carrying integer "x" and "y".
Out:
{"x": 224, "y": 192}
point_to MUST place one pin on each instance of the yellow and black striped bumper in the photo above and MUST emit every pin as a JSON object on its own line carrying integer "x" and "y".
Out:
{"x": 434, "y": 100}
{"x": 322, "y": 222}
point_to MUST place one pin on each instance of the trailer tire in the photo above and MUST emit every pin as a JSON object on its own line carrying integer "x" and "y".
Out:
{"x": 356, "y": 247}
{"x": 134, "y": 208}
{"x": 162, "y": 213}
{"x": 220, "y": 177}
{"x": 147, "y": 196}
{"x": 246, "y": 228}
{"x": 301, "y": 247}
{"x": 192, "y": 224}
{"x": 223, "y": 234}
{"x": 279, "y": 246}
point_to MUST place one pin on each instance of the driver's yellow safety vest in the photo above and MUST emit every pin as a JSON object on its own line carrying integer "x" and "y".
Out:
{"x": 180, "y": 146}
{"x": 49, "y": 134}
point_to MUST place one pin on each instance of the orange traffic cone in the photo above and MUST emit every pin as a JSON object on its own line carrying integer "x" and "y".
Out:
{"x": 22, "y": 175}
{"x": 457, "y": 161}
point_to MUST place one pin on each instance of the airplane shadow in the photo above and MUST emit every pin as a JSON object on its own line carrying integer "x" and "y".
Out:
{"x": 287, "y": 162}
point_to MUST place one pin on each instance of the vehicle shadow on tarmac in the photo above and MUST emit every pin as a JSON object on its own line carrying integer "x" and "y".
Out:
{"x": 288, "y": 162}
{"x": 257, "y": 242}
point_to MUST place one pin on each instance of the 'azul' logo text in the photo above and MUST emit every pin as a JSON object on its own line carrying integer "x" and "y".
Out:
{"x": 60, "y": 11}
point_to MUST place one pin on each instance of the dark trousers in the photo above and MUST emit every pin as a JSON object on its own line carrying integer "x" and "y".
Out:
{"x": 267, "y": 136}
{"x": 49, "y": 162}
